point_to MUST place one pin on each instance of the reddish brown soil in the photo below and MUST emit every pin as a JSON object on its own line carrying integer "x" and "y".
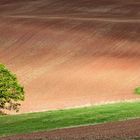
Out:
{"x": 72, "y": 53}
{"x": 126, "y": 130}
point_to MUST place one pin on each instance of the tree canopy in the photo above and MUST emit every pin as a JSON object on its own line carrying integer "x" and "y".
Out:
{"x": 11, "y": 92}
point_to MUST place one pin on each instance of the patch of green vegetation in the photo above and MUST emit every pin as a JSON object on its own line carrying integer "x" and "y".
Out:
{"x": 42, "y": 121}
{"x": 11, "y": 92}
{"x": 137, "y": 90}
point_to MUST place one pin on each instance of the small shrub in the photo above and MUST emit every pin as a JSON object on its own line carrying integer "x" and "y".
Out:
{"x": 11, "y": 92}
{"x": 137, "y": 90}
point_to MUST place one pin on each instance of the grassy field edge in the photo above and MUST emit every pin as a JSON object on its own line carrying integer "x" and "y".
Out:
{"x": 45, "y": 121}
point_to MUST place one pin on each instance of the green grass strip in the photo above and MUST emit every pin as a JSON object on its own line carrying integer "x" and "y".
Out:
{"x": 42, "y": 121}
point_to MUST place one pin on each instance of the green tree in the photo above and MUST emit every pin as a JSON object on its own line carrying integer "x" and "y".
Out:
{"x": 11, "y": 92}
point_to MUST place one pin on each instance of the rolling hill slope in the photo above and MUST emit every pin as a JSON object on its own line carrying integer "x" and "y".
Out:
{"x": 72, "y": 53}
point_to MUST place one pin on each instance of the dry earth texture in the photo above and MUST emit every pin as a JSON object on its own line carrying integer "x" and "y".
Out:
{"x": 126, "y": 130}
{"x": 71, "y": 53}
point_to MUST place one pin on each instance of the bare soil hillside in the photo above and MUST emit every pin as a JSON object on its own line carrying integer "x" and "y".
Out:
{"x": 70, "y": 53}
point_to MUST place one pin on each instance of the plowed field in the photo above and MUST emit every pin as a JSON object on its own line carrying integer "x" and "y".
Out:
{"x": 70, "y": 53}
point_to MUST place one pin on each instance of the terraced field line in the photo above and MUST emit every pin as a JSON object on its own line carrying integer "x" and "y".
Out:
{"x": 75, "y": 18}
